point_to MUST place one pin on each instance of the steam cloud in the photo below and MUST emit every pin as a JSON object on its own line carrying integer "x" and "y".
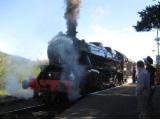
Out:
{"x": 17, "y": 70}
{"x": 62, "y": 47}
{"x": 71, "y": 15}
{"x": 14, "y": 88}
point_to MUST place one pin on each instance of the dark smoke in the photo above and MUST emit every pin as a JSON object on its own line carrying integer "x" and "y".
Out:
{"x": 71, "y": 15}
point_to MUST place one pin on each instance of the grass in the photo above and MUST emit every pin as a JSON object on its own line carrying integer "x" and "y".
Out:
{"x": 2, "y": 93}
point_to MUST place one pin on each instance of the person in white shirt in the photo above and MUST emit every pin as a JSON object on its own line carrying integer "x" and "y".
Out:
{"x": 142, "y": 89}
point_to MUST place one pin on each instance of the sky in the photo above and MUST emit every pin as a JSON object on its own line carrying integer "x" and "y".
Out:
{"x": 26, "y": 26}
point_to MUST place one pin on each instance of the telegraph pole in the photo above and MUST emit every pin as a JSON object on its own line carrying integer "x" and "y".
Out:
{"x": 157, "y": 39}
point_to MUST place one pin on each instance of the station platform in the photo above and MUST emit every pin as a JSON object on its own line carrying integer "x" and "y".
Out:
{"x": 119, "y": 102}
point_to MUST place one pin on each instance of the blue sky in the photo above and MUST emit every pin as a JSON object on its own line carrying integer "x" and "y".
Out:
{"x": 26, "y": 26}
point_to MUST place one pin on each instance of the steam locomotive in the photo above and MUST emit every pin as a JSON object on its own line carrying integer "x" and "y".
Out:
{"x": 77, "y": 68}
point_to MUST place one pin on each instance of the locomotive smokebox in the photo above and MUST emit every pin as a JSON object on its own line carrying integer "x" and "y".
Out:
{"x": 60, "y": 49}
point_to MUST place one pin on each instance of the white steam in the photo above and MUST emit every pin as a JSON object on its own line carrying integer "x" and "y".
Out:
{"x": 62, "y": 46}
{"x": 14, "y": 88}
{"x": 18, "y": 69}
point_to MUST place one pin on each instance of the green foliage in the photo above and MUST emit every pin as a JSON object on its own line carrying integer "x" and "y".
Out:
{"x": 3, "y": 63}
{"x": 150, "y": 18}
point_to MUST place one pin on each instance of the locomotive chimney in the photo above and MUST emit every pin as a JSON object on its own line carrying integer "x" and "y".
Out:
{"x": 71, "y": 33}
{"x": 71, "y": 15}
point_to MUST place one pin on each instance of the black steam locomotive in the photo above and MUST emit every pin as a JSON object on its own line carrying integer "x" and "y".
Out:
{"x": 101, "y": 65}
{"x": 77, "y": 68}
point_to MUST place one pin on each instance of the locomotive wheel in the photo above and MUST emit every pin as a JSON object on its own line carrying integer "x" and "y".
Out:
{"x": 115, "y": 79}
{"x": 48, "y": 97}
{"x": 56, "y": 101}
{"x": 118, "y": 79}
{"x": 99, "y": 82}
{"x": 94, "y": 82}
{"x": 61, "y": 100}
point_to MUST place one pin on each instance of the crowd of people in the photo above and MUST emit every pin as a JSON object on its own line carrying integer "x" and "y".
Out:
{"x": 144, "y": 75}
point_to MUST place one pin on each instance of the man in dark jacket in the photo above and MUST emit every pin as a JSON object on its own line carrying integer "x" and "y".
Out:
{"x": 149, "y": 61}
{"x": 134, "y": 74}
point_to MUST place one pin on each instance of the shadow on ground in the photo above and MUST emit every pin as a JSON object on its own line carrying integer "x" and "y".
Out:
{"x": 115, "y": 103}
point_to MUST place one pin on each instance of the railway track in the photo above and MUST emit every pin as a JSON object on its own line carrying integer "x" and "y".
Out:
{"x": 19, "y": 108}
{"x": 12, "y": 108}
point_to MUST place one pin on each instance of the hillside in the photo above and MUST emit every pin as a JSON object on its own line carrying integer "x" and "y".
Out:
{"x": 16, "y": 67}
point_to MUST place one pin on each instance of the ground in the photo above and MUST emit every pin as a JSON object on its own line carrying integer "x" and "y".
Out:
{"x": 119, "y": 102}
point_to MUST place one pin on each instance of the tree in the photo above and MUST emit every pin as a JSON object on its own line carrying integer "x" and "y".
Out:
{"x": 150, "y": 18}
{"x": 3, "y": 58}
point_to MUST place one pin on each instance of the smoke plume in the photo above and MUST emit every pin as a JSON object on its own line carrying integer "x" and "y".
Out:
{"x": 71, "y": 15}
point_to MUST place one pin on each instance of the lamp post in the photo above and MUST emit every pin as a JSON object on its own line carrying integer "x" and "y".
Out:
{"x": 157, "y": 39}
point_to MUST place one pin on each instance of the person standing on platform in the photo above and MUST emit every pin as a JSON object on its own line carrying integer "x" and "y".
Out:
{"x": 142, "y": 89}
{"x": 148, "y": 62}
{"x": 134, "y": 74}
